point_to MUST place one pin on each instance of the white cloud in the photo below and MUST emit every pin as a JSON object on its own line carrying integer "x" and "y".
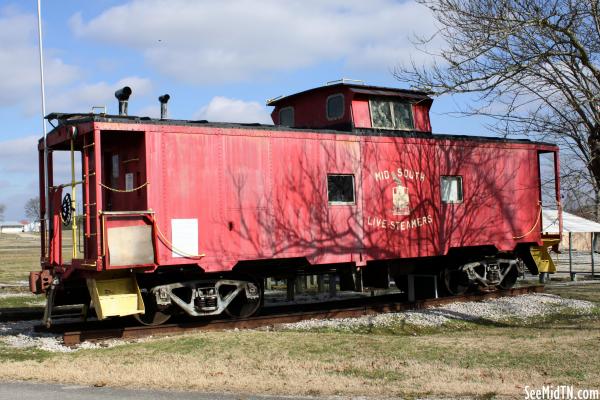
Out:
{"x": 152, "y": 111}
{"x": 207, "y": 41}
{"x": 19, "y": 163}
{"x": 65, "y": 91}
{"x": 223, "y": 109}
{"x": 19, "y": 172}
{"x": 19, "y": 62}
{"x": 82, "y": 97}
{"x": 19, "y": 155}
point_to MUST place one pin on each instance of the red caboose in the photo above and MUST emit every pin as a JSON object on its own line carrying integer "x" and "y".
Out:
{"x": 191, "y": 216}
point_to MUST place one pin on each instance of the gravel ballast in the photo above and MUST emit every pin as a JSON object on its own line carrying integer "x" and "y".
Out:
{"x": 22, "y": 335}
{"x": 495, "y": 310}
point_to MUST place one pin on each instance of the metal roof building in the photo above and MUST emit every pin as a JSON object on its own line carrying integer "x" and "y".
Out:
{"x": 571, "y": 223}
{"x": 579, "y": 241}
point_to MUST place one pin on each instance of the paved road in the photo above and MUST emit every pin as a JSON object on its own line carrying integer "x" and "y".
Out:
{"x": 45, "y": 391}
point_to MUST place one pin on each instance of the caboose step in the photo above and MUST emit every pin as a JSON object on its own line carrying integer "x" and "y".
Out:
{"x": 541, "y": 256}
{"x": 116, "y": 296}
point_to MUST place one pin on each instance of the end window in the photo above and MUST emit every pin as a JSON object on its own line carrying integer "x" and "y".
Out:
{"x": 452, "y": 189}
{"x": 340, "y": 188}
{"x": 286, "y": 116}
{"x": 335, "y": 106}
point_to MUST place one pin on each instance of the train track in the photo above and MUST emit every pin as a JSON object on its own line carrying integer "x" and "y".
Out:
{"x": 21, "y": 313}
{"x": 32, "y": 313}
{"x": 75, "y": 333}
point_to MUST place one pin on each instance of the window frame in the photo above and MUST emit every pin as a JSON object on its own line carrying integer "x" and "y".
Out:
{"x": 291, "y": 108}
{"x": 461, "y": 189}
{"x": 327, "y": 107}
{"x": 341, "y": 203}
{"x": 391, "y": 105}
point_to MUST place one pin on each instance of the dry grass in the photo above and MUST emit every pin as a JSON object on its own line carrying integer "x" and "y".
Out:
{"x": 479, "y": 360}
{"x": 18, "y": 256}
{"x": 473, "y": 360}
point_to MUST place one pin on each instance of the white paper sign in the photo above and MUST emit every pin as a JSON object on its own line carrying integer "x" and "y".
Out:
{"x": 184, "y": 237}
{"x": 115, "y": 166}
{"x": 129, "y": 181}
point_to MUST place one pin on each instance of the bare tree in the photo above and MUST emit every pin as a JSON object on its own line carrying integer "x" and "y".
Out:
{"x": 533, "y": 67}
{"x": 32, "y": 208}
{"x": 2, "y": 209}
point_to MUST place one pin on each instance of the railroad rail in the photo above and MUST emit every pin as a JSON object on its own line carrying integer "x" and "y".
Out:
{"x": 33, "y": 313}
{"x": 21, "y": 313}
{"x": 74, "y": 334}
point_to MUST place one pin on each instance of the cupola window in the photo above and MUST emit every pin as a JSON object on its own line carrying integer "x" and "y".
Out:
{"x": 286, "y": 116}
{"x": 335, "y": 106}
{"x": 389, "y": 114}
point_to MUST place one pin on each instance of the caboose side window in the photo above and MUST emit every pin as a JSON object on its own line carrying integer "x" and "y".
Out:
{"x": 286, "y": 116}
{"x": 335, "y": 106}
{"x": 388, "y": 114}
{"x": 340, "y": 189}
{"x": 452, "y": 189}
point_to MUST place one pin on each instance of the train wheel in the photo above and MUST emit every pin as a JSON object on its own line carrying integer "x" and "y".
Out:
{"x": 401, "y": 282}
{"x": 510, "y": 279}
{"x": 247, "y": 302}
{"x": 455, "y": 281}
{"x": 152, "y": 315}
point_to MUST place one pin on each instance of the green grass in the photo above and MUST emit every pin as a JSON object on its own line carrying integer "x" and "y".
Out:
{"x": 589, "y": 292}
{"x": 22, "y": 300}
{"x": 8, "y": 353}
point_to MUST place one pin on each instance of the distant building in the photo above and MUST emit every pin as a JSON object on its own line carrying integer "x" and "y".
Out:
{"x": 12, "y": 227}
{"x": 32, "y": 226}
{"x": 581, "y": 232}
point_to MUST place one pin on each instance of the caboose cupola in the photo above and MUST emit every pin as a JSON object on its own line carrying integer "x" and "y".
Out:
{"x": 353, "y": 107}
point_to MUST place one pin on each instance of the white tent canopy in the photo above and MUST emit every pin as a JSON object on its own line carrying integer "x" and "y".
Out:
{"x": 571, "y": 223}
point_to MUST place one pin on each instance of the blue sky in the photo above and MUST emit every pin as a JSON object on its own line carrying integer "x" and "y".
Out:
{"x": 219, "y": 60}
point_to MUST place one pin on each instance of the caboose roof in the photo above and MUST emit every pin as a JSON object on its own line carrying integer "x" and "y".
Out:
{"x": 79, "y": 118}
{"x": 356, "y": 88}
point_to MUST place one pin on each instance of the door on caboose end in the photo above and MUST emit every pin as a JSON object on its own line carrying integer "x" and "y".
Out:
{"x": 124, "y": 171}
{"x": 126, "y": 221}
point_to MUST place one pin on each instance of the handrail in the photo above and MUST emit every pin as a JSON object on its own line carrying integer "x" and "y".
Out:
{"x": 64, "y": 185}
{"x": 143, "y": 212}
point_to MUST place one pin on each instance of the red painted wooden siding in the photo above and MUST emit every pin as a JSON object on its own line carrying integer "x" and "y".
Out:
{"x": 261, "y": 194}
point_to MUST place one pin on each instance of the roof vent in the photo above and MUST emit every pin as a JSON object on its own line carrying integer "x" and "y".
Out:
{"x": 346, "y": 80}
{"x": 163, "y": 105}
{"x": 123, "y": 96}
